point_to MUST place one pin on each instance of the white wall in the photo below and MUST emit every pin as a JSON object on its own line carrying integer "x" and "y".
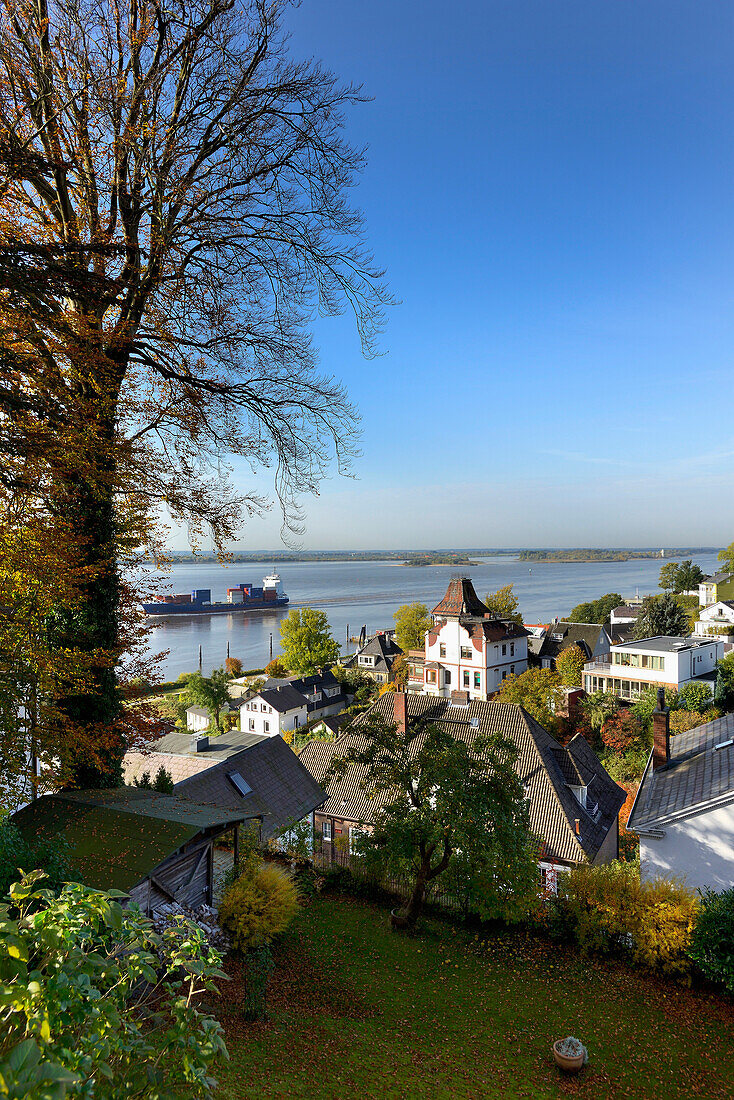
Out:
{"x": 197, "y": 722}
{"x": 699, "y": 848}
{"x": 488, "y": 661}
{"x": 267, "y": 721}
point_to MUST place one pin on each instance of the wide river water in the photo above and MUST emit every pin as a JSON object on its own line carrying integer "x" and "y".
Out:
{"x": 367, "y": 593}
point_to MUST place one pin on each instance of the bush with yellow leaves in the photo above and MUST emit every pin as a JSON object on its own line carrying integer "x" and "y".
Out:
{"x": 611, "y": 908}
{"x": 258, "y": 906}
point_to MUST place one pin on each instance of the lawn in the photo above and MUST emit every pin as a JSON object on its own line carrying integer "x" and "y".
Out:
{"x": 359, "y": 1011}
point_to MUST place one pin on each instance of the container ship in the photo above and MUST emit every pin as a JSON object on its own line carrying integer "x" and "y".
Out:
{"x": 244, "y": 597}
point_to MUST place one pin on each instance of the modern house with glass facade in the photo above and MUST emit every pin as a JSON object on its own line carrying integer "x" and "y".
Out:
{"x": 631, "y": 668}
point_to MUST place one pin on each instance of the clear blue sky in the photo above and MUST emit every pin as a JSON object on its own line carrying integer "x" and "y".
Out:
{"x": 551, "y": 190}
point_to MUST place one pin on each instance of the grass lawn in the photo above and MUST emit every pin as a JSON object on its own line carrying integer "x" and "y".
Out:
{"x": 359, "y": 1011}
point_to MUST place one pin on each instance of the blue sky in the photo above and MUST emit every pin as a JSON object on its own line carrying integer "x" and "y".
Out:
{"x": 551, "y": 189}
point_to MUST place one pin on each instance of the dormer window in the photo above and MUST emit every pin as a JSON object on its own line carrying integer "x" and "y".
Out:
{"x": 580, "y": 793}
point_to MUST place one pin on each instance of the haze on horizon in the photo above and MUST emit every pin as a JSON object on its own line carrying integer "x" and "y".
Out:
{"x": 550, "y": 190}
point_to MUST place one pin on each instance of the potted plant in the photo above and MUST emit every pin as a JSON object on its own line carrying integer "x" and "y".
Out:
{"x": 570, "y": 1054}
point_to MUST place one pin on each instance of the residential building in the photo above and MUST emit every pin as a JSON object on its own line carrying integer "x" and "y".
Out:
{"x": 684, "y": 810}
{"x": 593, "y": 639}
{"x": 573, "y": 802}
{"x": 716, "y": 620}
{"x": 376, "y": 657}
{"x": 199, "y": 719}
{"x": 467, "y": 648}
{"x": 626, "y": 614}
{"x": 260, "y": 776}
{"x": 283, "y": 706}
{"x": 633, "y": 667}
{"x": 720, "y": 586}
{"x": 154, "y": 847}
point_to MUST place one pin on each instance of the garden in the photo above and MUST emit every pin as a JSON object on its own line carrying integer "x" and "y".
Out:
{"x": 450, "y": 1012}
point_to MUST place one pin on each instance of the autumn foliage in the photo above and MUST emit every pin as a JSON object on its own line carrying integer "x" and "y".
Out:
{"x": 622, "y": 732}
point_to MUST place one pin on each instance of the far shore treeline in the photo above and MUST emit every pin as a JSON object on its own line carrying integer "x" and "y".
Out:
{"x": 431, "y": 557}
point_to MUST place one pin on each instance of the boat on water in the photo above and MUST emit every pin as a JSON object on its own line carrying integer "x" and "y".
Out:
{"x": 242, "y": 598}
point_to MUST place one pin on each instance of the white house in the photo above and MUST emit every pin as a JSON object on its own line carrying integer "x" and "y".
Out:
{"x": 274, "y": 711}
{"x": 716, "y": 620}
{"x": 199, "y": 719}
{"x": 467, "y": 648}
{"x": 286, "y": 705}
{"x": 684, "y": 810}
{"x": 631, "y": 668}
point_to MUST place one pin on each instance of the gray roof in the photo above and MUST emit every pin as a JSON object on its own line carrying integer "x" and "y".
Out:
{"x": 547, "y": 769}
{"x": 382, "y": 647}
{"x": 334, "y": 722}
{"x": 282, "y": 789}
{"x": 667, "y": 644}
{"x": 283, "y": 698}
{"x": 719, "y": 578}
{"x": 219, "y": 747}
{"x": 698, "y": 777}
{"x": 627, "y": 610}
{"x": 583, "y": 635}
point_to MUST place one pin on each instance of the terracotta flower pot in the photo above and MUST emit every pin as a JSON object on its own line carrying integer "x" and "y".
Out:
{"x": 563, "y": 1061}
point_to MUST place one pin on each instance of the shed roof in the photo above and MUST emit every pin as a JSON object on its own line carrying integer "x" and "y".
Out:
{"x": 116, "y": 838}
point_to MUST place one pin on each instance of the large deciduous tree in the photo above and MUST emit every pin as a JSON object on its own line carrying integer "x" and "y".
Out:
{"x": 504, "y": 603}
{"x": 173, "y": 209}
{"x": 442, "y": 801}
{"x": 307, "y": 641}
{"x": 538, "y": 690}
{"x": 412, "y": 621}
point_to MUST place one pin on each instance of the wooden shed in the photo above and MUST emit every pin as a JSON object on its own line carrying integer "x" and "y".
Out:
{"x": 154, "y": 847}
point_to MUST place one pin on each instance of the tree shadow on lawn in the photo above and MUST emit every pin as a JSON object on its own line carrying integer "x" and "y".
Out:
{"x": 340, "y": 966}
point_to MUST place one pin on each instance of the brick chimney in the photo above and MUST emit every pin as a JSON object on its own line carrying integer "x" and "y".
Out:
{"x": 660, "y": 733}
{"x": 400, "y": 710}
{"x": 459, "y": 698}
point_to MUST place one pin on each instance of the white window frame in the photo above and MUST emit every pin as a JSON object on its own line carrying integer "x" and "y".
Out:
{"x": 326, "y": 831}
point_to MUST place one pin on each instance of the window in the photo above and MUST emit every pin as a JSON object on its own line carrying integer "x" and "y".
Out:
{"x": 295, "y": 722}
{"x": 504, "y": 650}
{"x": 263, "y": 706}
{"x": 252, "y": 725}
{"x": 512, "y": 670}
{"x": 240, "y": 785}
{"x": 430, "y": 676}
{"x": 447, "y": 677}
{"x": 326, "y": 830}
{"x": 512, "y": 649}
{"x": 466, "y": 679}
{"x": 466, "y": 653}
{"x": 442, "y": 650}
{"x": 353, "y": 834}
{"x": 504, "y": 675}
{"x": 477, "y": 681}
{"x": 266, "y": 727}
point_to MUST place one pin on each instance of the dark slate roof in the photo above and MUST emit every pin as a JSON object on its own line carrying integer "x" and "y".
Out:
{"x": 283, "y": 790}
{"x": 179, "y": 744}
{"x": 382, "y": 647}
{"x": 335, "y": 722}
{"x": 460, "y": 599}
{"x": 627, "y": 611}
{"x": 719, "y": 578}
{"x": 318, "y": 680}
{"x": 584, "y": 635}
{"x": 546, "y": 768}
{"x": 283, "y": 698}
{"x": 117, "y": 837}
{"x": 339, "y": 700}
{"x": 698, "y": 777}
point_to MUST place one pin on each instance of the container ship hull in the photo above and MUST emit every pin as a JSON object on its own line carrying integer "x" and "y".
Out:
{"x": 240, "y": 600}
{"x": 160, "y": 608}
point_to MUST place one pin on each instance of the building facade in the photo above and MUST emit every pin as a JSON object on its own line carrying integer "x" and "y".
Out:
{"x": 467, "y": 648}
{"x": 716, "y": 620}
{"x": 720, "y": 586}
{"x": 633, "y": 667}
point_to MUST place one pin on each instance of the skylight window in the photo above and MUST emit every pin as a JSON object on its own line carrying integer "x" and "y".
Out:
{"x": 239, "y": 784}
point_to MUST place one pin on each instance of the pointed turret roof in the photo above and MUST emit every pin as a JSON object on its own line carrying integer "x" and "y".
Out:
{"x": 461, "y": 600}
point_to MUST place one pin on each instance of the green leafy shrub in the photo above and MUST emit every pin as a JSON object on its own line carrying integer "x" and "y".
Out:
{"x": 163, "y": 781}
{"x": 96, "y": 1004}
{"x": 713, "y": 938}
{"x": 258, "y": 906}
{"x": 695, "y": 696}
{"x": 17, "y": 855}
{"x": 611, "y": 910}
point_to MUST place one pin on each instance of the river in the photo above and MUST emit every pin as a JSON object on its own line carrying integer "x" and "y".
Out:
{"x": 367, "y": 593}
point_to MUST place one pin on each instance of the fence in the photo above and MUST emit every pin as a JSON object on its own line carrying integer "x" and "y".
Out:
{"x": 398, "y": 885}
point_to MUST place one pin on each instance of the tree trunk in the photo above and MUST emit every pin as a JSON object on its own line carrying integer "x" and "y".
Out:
{"x": 405, "y": 919}
{"x": 93, "y": 755}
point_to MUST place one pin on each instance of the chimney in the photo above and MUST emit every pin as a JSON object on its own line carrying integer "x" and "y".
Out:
{"x": 660, "y": 733}
{"x": 199, "y": 742}
{"x": 578, "y": 826}
{"x": 459, "y": 698}
{"x": 400, "y": 710}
